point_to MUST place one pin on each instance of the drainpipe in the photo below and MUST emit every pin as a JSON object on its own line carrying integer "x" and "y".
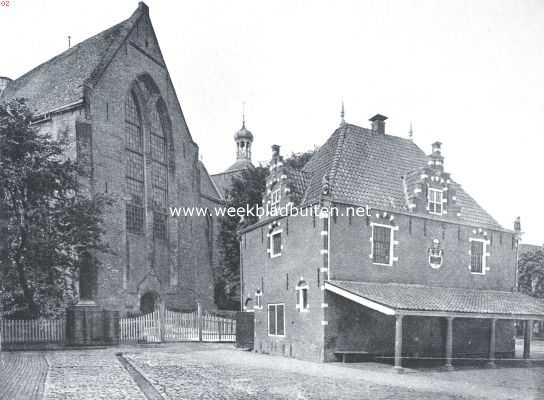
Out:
{"x": 241, "y": 274}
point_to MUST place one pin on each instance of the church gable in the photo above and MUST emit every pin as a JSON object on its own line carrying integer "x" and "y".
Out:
{"x": 143, "y": 38}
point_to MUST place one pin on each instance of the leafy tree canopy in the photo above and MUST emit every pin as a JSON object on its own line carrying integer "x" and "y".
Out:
{"x": 247, "y": 189}
{"x": 531, "y": 273}
{"x": 49, "y": 227}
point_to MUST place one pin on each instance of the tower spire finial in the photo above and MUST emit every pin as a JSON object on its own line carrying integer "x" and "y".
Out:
{"x": 411, "y": 131}
{"x": 342, "y": 114}
{"x": 243, "y": 114}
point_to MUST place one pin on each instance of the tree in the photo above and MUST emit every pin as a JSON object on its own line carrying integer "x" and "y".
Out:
{"x": 531, "y": 273}
{"x": 299, "y": 160}
{"x": 247, "y": 189}
{"x": 51, "y": 227}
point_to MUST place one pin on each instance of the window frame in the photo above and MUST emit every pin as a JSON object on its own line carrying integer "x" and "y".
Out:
{"x": 300, "y": 288}
{"x": 391, "y": 244}
{"x": 258, "y": 300}
{"x": 275, "y": 305}
{"x": 484, "y": 256}
{"x": 433, "y": 204}
{"x": 272, "y": 253}
{"x": 275, "y": 197}
{"x": 135, "y": 215}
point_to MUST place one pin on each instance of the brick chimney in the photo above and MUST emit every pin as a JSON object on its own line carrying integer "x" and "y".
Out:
{"x": 378, "y": 123}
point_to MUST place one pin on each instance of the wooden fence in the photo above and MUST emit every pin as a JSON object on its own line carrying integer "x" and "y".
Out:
{"x": 164, "y": 325}
{"x": 32, "y": 331}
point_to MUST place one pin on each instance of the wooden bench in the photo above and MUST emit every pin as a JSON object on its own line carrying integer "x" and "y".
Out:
{"x": 346, "y": 353}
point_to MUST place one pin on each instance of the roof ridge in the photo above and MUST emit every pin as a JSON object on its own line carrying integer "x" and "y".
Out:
{"x": 115, "y": 45}
{"x": 337, "y": 156}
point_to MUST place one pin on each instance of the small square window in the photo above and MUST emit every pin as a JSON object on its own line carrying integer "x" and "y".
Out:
{"x": 275, "y": 239}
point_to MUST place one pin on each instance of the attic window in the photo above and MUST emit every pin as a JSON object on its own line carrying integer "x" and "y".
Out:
{"x": 435, "y": 201}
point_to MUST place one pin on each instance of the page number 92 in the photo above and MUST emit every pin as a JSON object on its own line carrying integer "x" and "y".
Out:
{"x": 4, "y": 3}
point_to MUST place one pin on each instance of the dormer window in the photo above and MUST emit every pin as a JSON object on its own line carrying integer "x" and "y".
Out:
{"x": 435, "y": 201}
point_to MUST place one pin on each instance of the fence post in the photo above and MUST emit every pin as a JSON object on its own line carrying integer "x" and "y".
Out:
{"x": 199, "y": 318}
{"x": 161, "y": 322}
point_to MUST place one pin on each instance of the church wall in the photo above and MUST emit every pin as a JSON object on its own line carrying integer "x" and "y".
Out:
{"x": 174, "y": 269}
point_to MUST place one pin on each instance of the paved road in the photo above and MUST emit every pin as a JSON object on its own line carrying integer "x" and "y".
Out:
{"x": 196, "y": 372}
{"x": 218, "y": 371}
{"x": 22, "y": 376}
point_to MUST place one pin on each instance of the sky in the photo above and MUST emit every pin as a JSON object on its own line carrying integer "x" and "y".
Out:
{"x": 467, "y": 73}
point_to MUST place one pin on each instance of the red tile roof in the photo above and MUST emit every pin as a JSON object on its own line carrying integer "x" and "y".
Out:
{"x": 444, "y": 299}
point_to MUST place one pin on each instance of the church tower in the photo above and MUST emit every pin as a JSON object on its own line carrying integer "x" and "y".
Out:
{"x": 244, "y": 140}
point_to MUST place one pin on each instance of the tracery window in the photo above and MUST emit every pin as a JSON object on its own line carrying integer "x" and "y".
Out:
{"x": 159, "y": 175}
{"x": 134, "y": 166}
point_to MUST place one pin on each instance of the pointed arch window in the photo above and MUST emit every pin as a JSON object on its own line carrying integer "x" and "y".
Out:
{"x": 134, "y": 166}
{"x": 159, "y": 172}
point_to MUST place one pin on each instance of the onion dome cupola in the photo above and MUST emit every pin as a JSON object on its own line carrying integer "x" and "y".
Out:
{"x": 244, "y": 140}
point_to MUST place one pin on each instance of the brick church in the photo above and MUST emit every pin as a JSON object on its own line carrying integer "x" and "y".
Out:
{"x": 397, "y": 260}
{"x": 113, "y": 95}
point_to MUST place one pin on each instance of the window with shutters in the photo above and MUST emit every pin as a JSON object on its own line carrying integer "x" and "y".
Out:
{"x": 134, "y": 166}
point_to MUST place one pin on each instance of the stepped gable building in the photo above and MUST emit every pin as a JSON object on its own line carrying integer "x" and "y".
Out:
{"x": 420, "y": 269}
{"x": 244, "y": 141}
{"x": 113, "y": 95}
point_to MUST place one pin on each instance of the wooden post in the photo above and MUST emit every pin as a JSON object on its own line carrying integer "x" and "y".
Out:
{"x": 449, "y": 343}
{"x": 199, "y": 320}
{"x": 527, "y": 337}
{"x": 492, "y": 341}
{"x": 398, "y": 343}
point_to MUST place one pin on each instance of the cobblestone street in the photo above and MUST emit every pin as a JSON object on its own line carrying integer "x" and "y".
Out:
{"x": 88, "y": 375}
{"x": 217, "y": 371}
